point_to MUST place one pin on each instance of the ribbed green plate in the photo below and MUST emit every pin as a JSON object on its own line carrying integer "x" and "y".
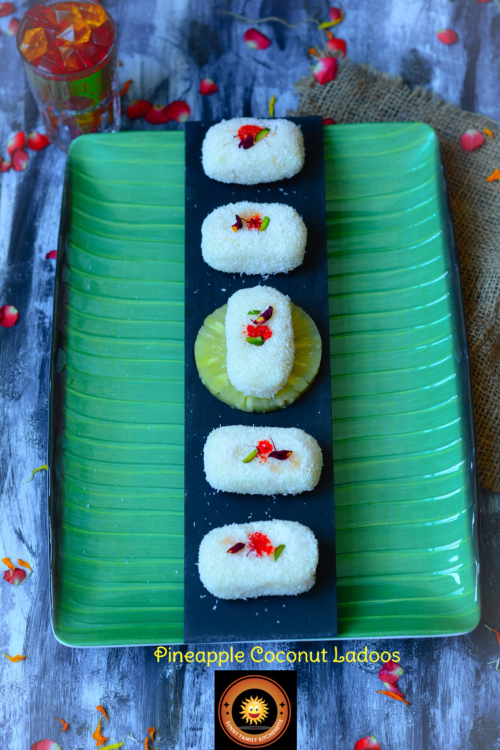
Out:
{"x": 403, "y": 440}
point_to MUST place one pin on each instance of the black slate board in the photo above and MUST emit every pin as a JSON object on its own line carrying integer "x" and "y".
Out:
{"x": 312, "y": 615}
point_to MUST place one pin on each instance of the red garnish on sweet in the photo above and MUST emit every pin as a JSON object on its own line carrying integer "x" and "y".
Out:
{"x": 51, "y": 254}
{"x": 447, "y": 36}
{"x": 6, "y": 9}
{"x": 37, "y": 141}
{"x": 246, "y": 130}
{"x": 255, "y": 39}
{"x": 260, "y": 544}
{"x": 138, "y": 108}
{"x": 13, "y": 26}
{"x": 236, "y": 548}
{"x": 8, "y": 316}
{"x": 20, "y": 160}
{"x": 208, "y": 86}
{"x": 178, "y": 111}
{"x": 16, "y": 141}
{"x": 254, "y": 332}
{"x": 157, "y": 115}
{"x": 264, "y": 447}
{"x": 280, "y": 455}
{"x": 325, "y": 70}
{"x": 367, "y": 743}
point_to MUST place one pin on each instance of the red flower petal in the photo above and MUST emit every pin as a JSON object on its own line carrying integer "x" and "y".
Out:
{"x": 394, "y": 689}
{"x": 15, "y": 577}
{"x": 20, "y": 160}
{"x": 6, "y": 9}
{"x": 338, "y": 47}
{"x": 16, "y": 141}
{"x": 8, "y": 316}
{"x": 336, "y": 14}
{"x": 328, "y": 121}
{"x": 37, "y": 141}
{"x": 471, "y": 139}
{"x": 46, "y": 745}
{"x": 208, "y": 86}
{"x": 4, "y": 165}
{"x": 325, "y": 70}
{"x": 157, "y": 115}
{"x": 51, "y": 254}
{"x": 138, "y": 108}
{"x": 255, "y": 39}
{"x": 391, "y": 671}
{"x": 447, "y": 36}
{"x": 178, "y": 110}
{"x": 365, "y": 743}
{"x": 13, "y": 26}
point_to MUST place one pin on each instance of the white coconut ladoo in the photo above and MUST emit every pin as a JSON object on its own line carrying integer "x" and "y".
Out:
{"x": 262, "y": 558}
{"x": 263, "y": 238}
{"x": 248, "y": 151}
{"x": 262, "y": 460}
{"x": 259, "y": 340}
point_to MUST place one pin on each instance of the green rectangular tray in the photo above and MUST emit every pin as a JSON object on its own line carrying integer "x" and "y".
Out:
{"x": 402, "y": 420}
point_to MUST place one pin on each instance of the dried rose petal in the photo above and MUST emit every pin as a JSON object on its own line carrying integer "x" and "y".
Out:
{"x": 51, "y": 254}
{"x": 255, "y": 39}
{"x": 447, "y": 36}
{"x": 6, "y": 9}
{"x": 20, "y": 160}
{"x": 280, "y": 455}
{"x": 471, "y": 139}
{"x": 157, "y": 115}
{"x": 13, "y": 26}
{"x": 394, "y": 689}
{"x": 264, "y": 317}
{"x": 8, "y": 316}
{"x": 179, "y": 110}
{"x": 15, "y": 577}
{"x": 37, "y": 141}
{"x": 208, "y": 86}
{"x": 325, "y": 70}
{"x": 338, "y": 47}
{"x": 46, "y": 745}
{"x": 16, "y": 141}
{"x": 336, "y": 15}
{"x": 138, "y": 108}
{"x": 236, "y": 548}
{"x": 238, "y": 224}
{"x": 367, "y": 743}
{"x": 246, "y": 142}
{"x": 391, "y": 671}
{"x": 4, "y": 165}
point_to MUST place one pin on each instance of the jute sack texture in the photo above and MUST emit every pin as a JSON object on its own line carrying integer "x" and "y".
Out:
{"x": 361, "y": 94}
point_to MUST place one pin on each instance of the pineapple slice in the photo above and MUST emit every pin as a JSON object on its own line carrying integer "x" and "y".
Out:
{"x": 210, "y": 357}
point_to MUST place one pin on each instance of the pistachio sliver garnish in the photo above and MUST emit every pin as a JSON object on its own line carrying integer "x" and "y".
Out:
{"x": 261, "y": 134}
{"x": 253, "y": 312}
{"x": 255, "y": 340}
{"x": 278, "y": 551}
{"x": 237, "y": 548}
{"x": 250, "y": 456}
{"x": 265, "y": 224}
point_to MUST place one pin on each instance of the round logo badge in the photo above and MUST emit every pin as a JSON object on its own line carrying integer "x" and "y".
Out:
{"x": 254, "y": 710}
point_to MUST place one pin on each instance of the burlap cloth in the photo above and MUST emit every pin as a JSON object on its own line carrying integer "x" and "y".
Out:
{"x": 361, "y": 94}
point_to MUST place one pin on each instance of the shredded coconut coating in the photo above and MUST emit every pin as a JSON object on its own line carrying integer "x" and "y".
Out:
{"x": 226, "y": 447}
{"x": 278, "y": 249}
{"x": 259, "y": 370}
{"x": 278, "y": 156}
{"x": 243, "y": 575}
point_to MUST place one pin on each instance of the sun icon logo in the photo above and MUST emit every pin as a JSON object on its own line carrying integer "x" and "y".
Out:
{"x": 254, "y": 710}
